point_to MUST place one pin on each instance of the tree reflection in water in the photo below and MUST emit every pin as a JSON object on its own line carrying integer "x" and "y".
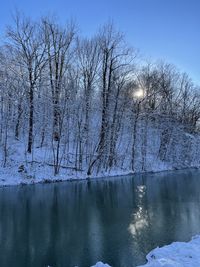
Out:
{"x": 117, "y": 221}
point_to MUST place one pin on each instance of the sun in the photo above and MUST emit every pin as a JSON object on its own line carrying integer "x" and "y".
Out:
{"x": 139, "y": 93}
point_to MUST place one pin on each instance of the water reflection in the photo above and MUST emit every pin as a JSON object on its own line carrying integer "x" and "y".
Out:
{"x": 117, "y": 220}
{"x": 140, "y": 218}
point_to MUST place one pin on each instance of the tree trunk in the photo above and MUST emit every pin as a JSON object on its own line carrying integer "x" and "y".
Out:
{"x": 31, "y": 109}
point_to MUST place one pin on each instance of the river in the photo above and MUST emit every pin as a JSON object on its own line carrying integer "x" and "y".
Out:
{"x": 115, "y": 220}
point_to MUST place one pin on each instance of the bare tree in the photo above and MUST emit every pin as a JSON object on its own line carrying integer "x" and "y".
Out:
{"x": 25, "y": 39}
{"x": 88, "y": 60}
{"x": 58, "y": 42}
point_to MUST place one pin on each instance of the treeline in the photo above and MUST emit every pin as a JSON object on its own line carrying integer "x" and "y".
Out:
{"x": 89, "y": 101}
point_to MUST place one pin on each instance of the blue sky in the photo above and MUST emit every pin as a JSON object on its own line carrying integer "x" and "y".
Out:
{"x": 160, "y": 29}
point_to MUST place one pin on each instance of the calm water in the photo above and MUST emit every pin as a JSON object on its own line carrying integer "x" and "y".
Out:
{"x": 117, "y": 220}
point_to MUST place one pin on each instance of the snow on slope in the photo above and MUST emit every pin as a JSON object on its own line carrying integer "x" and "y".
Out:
{"x": 182, "y": 151}
{"x": 177, "y": 254}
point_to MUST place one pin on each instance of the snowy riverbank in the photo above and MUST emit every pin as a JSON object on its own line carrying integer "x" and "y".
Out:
{"x": 177, "y": 254}
{"x": 11, "y": 176}
{"x": 40, "y": 173}
{"x": 23, "y": 168}
{"x": 101, "y": 264}
{"x": 19, "y": 167}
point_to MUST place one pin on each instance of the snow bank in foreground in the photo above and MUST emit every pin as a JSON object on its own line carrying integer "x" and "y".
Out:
{"x": 178, "y": 254}
{"x": 101, "y": 264}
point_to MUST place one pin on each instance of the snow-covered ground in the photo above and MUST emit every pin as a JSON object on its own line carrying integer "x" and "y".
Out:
{"x": 177, "y": 254}
{"x": 38, "y": 167}
{"x": 23, "y": 168}
{"x": 44, "y": 174}
{"x": 101, "y": 264}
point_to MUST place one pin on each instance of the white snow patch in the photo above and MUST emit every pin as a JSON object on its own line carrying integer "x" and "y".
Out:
{"x": 178, "y": 254}
{"x": 101, "y": 264}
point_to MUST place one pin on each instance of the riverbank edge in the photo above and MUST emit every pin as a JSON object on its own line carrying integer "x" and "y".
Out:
{"x": 176, "y": 254}
{"x": 24, "y": 181}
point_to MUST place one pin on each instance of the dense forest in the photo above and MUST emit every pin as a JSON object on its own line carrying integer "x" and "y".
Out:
{"x": 76, "y": 105}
